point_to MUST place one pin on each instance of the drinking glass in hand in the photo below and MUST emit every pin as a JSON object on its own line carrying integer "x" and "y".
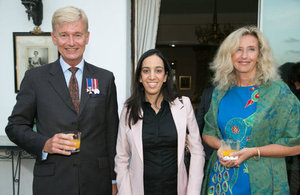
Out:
{"x": 76, "y": 140}
{"x": 229, "y": 146}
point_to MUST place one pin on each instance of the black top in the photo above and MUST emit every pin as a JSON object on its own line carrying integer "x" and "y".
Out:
{"x": 160, "y": 151}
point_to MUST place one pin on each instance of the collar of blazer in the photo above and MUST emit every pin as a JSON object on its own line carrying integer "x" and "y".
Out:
{"x": 88, "y": 72}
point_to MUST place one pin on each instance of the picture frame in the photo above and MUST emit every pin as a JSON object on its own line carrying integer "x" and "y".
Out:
{"x": 185, "y": 82}
{"x": 30, "y": 51}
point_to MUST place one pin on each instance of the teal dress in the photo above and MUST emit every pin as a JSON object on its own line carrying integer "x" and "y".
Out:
{"x": 235, "y": 119}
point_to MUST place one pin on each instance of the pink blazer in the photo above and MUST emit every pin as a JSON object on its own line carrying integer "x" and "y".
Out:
{"x": 129, "y": 164}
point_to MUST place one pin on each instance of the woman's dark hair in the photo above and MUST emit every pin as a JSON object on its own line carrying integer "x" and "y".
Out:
{"x": 294, "y": 74}
{"x": 293, "y": 77}
{"x": 134, "y": 103}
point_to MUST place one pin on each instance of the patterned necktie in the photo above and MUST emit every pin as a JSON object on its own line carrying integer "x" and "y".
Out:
{"x": 73, "y": 88}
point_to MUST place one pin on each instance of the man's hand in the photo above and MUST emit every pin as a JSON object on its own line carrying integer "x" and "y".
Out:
{"x": 59, "y": 144}
{"x": 114, "y": 189}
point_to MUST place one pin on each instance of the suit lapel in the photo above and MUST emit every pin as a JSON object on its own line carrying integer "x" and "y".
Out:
{"x": 179, "y": 115}
{"x": 58, "y": 82}
{"x": 88, "y": 72}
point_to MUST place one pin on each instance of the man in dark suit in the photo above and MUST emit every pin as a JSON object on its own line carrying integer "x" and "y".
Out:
{"x": 44, "y": 97}
{"x": 202, "y": 110}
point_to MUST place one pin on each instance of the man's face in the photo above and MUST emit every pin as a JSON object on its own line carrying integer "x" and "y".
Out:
{"x": 70, "y": 39}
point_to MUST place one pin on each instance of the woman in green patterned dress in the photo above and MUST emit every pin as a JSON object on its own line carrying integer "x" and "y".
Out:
{"x": 253, "y": 106}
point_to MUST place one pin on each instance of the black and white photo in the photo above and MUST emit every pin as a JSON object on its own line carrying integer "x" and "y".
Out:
{"x": 31, "y": 51}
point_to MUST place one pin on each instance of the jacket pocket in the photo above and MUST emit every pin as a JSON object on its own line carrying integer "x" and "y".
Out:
{"x": 42, "y": 170}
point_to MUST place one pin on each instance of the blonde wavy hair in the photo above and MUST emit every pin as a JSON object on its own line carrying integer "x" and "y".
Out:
{"x": 225, "y": 76}
{"x": 68, "y": 14}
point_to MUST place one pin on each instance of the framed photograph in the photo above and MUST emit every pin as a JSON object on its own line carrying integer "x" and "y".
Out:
{"x": 185, "y": 82}
{"x": 31, "y": 51}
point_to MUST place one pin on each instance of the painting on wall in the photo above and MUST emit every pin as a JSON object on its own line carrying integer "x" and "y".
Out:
{"x": 31, "y": 51}
{"x": 185, "y": 82}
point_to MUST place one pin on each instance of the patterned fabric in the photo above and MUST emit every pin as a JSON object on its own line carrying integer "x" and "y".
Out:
{"x": 235, "y": 119}
{"x": 73, "y": 88}
{"x": 276, "y": 121}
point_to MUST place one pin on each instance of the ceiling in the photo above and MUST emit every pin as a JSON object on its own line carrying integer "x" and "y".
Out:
{"x": 207, "y": 6}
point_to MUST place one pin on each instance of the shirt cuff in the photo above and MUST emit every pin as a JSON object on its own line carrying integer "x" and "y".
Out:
{"x": 44, "y": 155}
{"x": 114, "y": 182}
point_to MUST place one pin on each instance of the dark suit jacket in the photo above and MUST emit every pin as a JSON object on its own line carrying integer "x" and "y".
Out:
{"x": 44, "y": 96}
{"x": 202, "y": 110}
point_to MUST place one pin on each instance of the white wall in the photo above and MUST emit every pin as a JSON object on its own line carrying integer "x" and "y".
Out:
{"x": 109, "y": 45}
{"x": 109, "y": 48}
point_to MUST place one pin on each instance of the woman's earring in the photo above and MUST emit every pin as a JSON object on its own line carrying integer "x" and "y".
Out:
{"x": 258, "y": 66}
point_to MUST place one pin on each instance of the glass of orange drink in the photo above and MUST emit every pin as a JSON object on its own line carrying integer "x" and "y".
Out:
{"x": 76, "y": 139}
{"x": 229, "y": 146}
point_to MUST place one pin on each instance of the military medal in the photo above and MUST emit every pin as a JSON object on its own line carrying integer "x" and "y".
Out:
{"x": 92, "y": 86}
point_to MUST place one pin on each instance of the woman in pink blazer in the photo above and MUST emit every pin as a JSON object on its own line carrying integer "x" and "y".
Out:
{"x": 152, "y": 135}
